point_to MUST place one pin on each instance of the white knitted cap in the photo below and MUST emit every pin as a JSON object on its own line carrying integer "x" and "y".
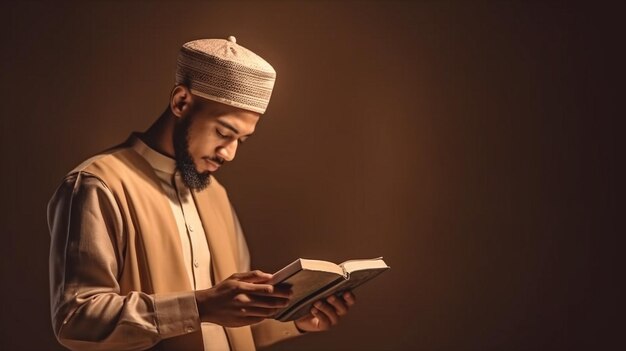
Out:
{"x": 224, "y": 71}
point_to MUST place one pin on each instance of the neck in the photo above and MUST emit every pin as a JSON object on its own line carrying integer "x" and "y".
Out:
{"x": 161, "y": 133}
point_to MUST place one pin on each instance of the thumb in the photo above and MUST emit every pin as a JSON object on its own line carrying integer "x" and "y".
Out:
{"x": 255, "y": 276}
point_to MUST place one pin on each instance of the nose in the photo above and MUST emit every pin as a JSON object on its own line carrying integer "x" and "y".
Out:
{"x": 228, "y": 151}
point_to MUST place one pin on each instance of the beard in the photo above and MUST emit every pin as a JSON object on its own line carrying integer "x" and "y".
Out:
{"x": 184, "y": 161}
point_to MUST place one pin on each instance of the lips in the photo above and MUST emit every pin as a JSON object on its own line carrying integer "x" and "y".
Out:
{"x": 213, "y": 165}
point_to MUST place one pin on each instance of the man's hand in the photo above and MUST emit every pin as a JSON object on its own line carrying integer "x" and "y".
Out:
{"x": 241, "y": 299}
{"x": 326, "y": 313}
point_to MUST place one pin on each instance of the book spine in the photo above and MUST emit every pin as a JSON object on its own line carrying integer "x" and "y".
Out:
{"x": 346, "y": 274}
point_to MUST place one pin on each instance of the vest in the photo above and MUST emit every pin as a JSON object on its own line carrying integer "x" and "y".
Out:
{"x": 153, "y": 260}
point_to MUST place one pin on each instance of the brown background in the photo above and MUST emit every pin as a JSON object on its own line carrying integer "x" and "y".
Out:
{"x": 474, "y": 146}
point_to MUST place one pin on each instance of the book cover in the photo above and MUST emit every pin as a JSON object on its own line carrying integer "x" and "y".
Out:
{"x": 311, "y": 280}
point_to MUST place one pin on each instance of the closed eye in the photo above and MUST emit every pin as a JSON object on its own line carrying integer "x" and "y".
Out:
{"x": 222, "y": 135}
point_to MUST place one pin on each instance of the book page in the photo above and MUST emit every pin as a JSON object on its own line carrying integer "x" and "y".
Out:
{"x": 305, "y": 264}
{"x": 318, "y": 265}
{"x": 358, "y": 265}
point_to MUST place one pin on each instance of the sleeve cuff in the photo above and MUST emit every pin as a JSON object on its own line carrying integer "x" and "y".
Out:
{"x": 176, "y": 314}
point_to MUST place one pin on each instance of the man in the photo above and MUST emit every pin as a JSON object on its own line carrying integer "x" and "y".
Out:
{"x": 146, "y": 249}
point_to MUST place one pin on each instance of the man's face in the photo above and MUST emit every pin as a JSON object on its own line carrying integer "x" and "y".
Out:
{"x": 207, "y": 137}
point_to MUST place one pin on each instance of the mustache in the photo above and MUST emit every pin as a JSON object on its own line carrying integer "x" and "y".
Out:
{"x": 216, "y": 159}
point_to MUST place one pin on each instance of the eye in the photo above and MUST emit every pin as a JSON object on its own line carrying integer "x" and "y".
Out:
{"x": 222, "y": 135}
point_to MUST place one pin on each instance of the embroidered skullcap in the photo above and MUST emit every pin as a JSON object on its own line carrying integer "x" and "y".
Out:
{"x": 224, "y": 71}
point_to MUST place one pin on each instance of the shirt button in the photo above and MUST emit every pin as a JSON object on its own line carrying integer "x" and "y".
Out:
{"x": 196, "y": 263}
{"x": 190, "y": 228}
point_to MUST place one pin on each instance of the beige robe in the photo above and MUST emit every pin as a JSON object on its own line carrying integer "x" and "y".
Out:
{"x": 125, "y": 287}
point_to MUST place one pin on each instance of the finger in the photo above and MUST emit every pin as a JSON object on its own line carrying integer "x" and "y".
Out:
{"x": 340, "y": 307}
{"x": 263, "y": 290}
{"x": 349, "y": 298}
{"x": 316, "y": 321}
{"x": 255, "y": 276}
{"x": 260, "y": 301}
{"x": 328, "y": 311}
{"x": 251, "y": 311}
{"x": 283, "y": 289}
{"x": 322, "y": 320}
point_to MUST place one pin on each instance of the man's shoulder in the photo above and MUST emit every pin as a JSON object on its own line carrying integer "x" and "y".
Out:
{"x": 85, "y": 177}
{"x": 108, "y": 156}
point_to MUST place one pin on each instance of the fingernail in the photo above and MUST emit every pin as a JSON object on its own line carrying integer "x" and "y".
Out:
{"x": 317, "y": 304}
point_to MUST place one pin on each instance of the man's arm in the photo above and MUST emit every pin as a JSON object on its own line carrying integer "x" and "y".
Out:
{"x": 326, "y": 313}
{"x": 86, "y": 258}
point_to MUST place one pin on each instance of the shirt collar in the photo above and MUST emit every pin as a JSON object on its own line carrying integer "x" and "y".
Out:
{"x": 157, "y": 160}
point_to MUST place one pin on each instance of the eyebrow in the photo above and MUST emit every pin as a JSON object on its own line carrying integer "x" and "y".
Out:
{"x": 231, "y": 127}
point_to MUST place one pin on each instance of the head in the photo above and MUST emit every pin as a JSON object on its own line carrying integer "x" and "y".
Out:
{"x": 206, "y": 134}
{"x": 221, "y": 90}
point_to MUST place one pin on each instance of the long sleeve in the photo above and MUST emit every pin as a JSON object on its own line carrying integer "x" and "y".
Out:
{"x": 269, "y": 331}
{"x": 86, "y": 258}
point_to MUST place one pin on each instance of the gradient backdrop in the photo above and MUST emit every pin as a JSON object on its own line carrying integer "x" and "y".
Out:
{"x": 473, "y": 145}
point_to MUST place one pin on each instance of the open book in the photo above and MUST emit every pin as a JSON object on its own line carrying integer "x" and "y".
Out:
{"x": 311, "y": 280}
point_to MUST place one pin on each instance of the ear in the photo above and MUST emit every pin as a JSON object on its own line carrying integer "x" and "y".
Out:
{"x": 181, "y": 100}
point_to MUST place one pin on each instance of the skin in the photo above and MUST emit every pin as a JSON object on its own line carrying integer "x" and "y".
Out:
{"x": 215, "y": 133}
